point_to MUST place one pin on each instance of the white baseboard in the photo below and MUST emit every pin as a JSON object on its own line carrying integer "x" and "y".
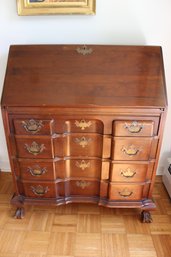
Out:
{"x": 5, "y": 166}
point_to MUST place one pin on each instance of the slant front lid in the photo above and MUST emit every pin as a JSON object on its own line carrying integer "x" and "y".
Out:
{"x": 97, "y": 76}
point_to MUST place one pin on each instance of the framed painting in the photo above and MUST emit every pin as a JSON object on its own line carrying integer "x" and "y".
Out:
{"x": 38, "y": 7}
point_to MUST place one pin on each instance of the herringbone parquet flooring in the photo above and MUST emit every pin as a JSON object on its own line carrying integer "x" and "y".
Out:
{"x": 80, "y": 230}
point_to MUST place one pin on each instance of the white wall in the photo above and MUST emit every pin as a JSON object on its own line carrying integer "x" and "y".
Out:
{"x": 116, "y": 22}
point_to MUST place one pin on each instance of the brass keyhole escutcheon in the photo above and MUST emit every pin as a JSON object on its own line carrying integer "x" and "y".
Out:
{"x": 83, "y": 124}
{"x": 83, "y": 141}
{"x": 83, "y": 184}
{"x": 82, "y": 164}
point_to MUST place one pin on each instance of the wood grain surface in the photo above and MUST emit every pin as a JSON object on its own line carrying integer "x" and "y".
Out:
{"x": 109, "y": 76}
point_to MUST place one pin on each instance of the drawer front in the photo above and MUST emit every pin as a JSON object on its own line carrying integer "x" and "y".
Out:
{"x": 131, "y": 149}
{"x": 78, "y": 126}
{"x": 82, "y": 188}
{"x": 129, "y": 172}
{"x": 89, "y": 145}
{"x": 133, "y": 128}
{"x": 33, "y": 126}
{"x": 40, "y": 190}
{"x": 125, "y": 192}
{"x": 36, "y": 170}
{"x": 35, "y": 147}
{"x": 61, "y": 169}
{"x": 81, "y": 168}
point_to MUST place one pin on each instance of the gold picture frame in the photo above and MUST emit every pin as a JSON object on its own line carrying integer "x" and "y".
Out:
{"x": 40, "y": 7}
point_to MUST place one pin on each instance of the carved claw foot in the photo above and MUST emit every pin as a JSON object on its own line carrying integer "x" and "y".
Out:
{"x": 19, "y": 214}
{"x": 146, "y": 217}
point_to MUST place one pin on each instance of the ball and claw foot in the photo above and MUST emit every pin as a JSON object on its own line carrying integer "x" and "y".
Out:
{"x": 146, "y": 217}
{"x": 19, "y": 214}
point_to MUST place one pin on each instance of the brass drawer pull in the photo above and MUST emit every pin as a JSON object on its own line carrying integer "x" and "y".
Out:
{"x": 35, "y": 149}
{"x": 128, "y": 173}
{"x": 131, "y": 150}
{"x": 83, "y": 142}
{"x": 83, "y": 124}
{"x": 134, "y": 127}
{"x": 32, "y": 126}
{"x": 37, "y": 171}
{"x": 83, "y": 184}
{"x": 82, "y": 165}
{"x": 39, "y": 190}
{"x": 125, "y": 193}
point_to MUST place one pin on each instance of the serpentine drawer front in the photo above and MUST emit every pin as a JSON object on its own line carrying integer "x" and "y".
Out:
{"x": 84, "y": 127}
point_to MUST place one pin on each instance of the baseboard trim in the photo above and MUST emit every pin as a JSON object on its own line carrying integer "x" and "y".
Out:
{"x": 5, "y": 166}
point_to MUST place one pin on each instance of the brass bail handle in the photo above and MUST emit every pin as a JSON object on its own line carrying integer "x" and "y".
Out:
{"x": 35, "y": 148}
{"x": 36, "y": 171}
{"x": 128, "y": 173}
{"x": 125, "y": 193}
{"x": 32, "y": 126}
{"x": 130, "y": 151}
{"x": 39, "y": 190}
{"x": 134, "y": 127}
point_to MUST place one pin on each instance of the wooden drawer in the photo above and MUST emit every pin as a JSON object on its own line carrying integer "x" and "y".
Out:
{"x": 82, "y": 188}
{"x": 126, "y": 192}
{"x": 61, "y": 169}
{"x": 128, "y": 172}
{"x": 40, "y": 190}
{"x": 80, "y": 168}
{"x": 133, "y": 128}
{"x": 36, "y": 170}
{"x": 89, "y": 145}
{"x": 78, "y": 125}
{"x": 65, "y": 188}
{"x": 79, "y": 144}
{"x": 131, "y": 148}
{"x": 34, "y": 147}
{"x": 32, "y": 126}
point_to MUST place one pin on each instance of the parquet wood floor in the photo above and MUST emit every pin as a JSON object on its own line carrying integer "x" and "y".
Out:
{"x": 79, "y": 230}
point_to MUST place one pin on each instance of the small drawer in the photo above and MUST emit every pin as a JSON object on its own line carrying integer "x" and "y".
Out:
{"x": 128, "y": 172}
{"x": 40, "y": 190}
{"x": 125, "y": 192}
{"x": 33, "y": 126}
{"x": 82, "y": 188}
{"x": 129, "y": 149}
{"x": 83, "y": 125}
{"x": 133, "y": 128}
{"x": 34, "y": 147}
{"x": 36, "y": 170}
{"x": 81, "y": 168}
{"x": 75, "y": 145}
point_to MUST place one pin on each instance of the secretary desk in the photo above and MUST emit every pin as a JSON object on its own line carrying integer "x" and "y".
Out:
{"x": 84, "y": 124}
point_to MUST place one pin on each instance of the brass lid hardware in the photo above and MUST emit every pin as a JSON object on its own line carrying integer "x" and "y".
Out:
{"x": 84, "y": 50}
